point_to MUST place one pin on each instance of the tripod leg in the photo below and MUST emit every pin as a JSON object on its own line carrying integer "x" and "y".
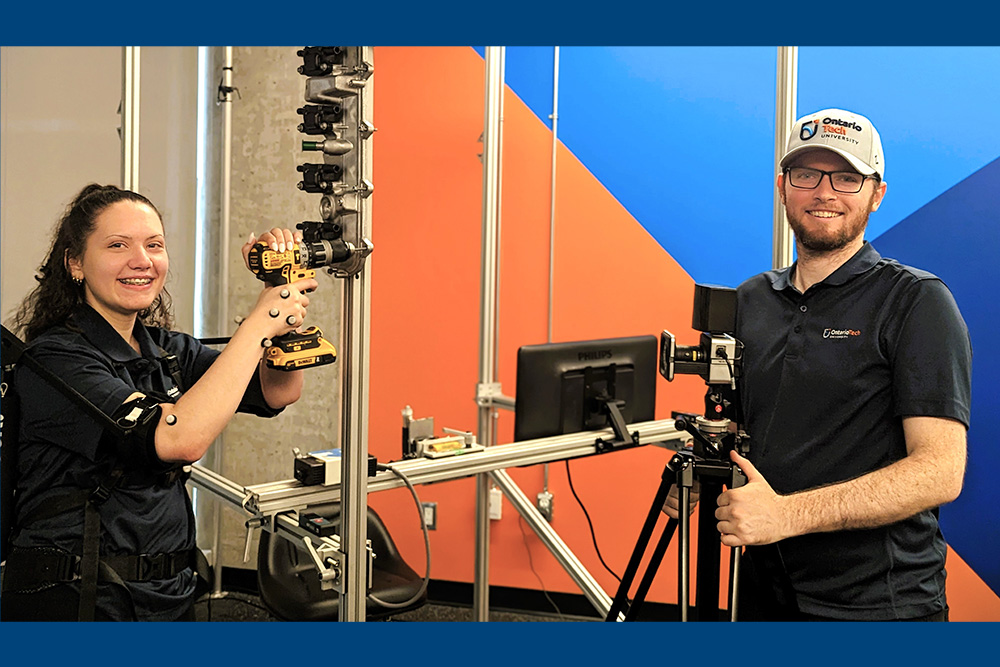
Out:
{"x": 621, "y": 597}
{"x": 709, "y": 553}
{"x": 651, "y": 568}
{"x": 684, "y": 554}
{"x": 734, "y": 581}
{"x": 737, "y": 480}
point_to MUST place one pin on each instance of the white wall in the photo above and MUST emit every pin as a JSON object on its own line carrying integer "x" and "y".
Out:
{"x": 59, "y": 125}
{"x": 58, "y": 120}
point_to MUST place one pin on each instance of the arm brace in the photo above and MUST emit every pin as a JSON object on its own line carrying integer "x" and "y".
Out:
{"x": 136, "y": 444}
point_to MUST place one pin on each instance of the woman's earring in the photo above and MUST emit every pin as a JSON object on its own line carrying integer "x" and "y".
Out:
{"x": 78, "y": 281}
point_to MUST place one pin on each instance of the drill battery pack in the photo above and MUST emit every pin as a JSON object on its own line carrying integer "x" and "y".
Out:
{"x": 296, "y": 349}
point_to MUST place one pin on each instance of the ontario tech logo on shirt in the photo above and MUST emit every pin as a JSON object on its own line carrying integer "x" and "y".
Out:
{"x": 840, "y": 333}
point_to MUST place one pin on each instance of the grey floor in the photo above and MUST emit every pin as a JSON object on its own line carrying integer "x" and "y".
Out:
{"x": 237, "y": 606}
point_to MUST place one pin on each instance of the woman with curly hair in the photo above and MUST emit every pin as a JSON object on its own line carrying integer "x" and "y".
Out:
{"x": 104, "y": 528}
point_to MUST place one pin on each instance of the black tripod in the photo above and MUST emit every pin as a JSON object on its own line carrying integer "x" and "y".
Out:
{"x": 708, "y": 463}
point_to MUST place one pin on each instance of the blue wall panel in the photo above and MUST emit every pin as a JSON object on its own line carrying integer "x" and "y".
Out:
{"x": 957, "y": 237}
{"x": 937, "y": 109}
{"x": 682, "y": 137}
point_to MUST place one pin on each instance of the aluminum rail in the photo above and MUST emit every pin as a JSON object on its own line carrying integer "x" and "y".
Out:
{"x": 223, "y": 487}
{"x": 355, "y": 372}
{"x": 492, "y": 167}
{"x": 224, "y": 97}
{"x": 281, "y": 496}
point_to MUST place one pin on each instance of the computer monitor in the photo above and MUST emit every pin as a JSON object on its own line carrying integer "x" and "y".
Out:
{"x": 566, "y": 387}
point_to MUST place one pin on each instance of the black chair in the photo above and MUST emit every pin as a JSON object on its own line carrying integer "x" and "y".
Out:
{"x": 290, "y": 587}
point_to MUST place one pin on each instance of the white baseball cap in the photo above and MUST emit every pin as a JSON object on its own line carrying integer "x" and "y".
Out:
{"x": 847, "y": 134}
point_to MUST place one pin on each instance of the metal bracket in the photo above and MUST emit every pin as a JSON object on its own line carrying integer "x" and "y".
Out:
{"x": 468, "y": 436}
{"x": 366, "y": 129}
{"x": 490, "y": 394}
{"x": 328, "y": 565}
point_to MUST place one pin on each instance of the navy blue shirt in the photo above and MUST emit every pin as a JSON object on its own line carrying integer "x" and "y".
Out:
{"x": 828, "y": 377}
{"x": 60, "y": 450}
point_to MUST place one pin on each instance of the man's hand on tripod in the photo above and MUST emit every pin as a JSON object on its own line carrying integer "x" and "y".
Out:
{"x": 753, "y": 513}
{"x": 672, "y": 505}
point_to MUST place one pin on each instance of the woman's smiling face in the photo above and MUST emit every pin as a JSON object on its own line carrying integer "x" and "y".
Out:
{"x": 124, "y": 264}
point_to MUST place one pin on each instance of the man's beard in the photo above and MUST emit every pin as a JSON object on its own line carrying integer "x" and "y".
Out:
{"x": 822, "y": 241}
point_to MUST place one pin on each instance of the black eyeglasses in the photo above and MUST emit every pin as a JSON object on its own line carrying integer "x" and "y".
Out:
{"x": 806, "y": 178}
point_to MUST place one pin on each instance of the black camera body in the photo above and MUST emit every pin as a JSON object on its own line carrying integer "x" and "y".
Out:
{"x": 718, "y": 357}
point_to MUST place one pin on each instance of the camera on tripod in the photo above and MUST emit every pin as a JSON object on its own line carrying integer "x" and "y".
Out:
{"x": 718, "y": 357}
{"x": 718, "y": 360}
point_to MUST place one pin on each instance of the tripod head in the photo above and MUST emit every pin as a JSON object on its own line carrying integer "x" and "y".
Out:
{"x": 713, "y": 438}
{"x": 718, "y": 432}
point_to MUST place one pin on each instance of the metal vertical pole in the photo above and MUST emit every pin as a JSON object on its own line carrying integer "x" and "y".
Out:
{"x": 355, "y": 353}
{"x": 225, "y": 98}
{"x": 552, "y": 207}
{"x": 552, "y": 191}
{"x": 354, "y": 497}
{"x": 784, "y": 119}
{"x": 129, "y": 109}
{"x": 487, "y": 330}
{"x": 497, "y": 244}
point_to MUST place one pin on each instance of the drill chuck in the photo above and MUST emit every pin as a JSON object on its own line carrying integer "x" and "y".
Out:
{"x": 297, "y": 262}
{"x": 317, "y": 254}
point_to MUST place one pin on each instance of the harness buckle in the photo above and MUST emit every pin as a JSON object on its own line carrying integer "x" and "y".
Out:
{"x": 144, "y": 565}
{"x": 68, "y": 568}
{"x": 99, "y": 495}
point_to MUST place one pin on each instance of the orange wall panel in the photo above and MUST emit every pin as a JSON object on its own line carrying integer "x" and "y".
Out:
{"x": 611, "y": 279}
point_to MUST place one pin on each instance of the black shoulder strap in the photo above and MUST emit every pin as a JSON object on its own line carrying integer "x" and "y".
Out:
{"x": 91, "y": 556}
{"x": 10, "y": 419}
{"x": 15, "y": 352}
{"x": 173, "y": 367}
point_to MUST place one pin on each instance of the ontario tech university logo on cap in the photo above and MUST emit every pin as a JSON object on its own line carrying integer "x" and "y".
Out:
{"x": 850, "y": 135}
{"x": 808, "y": 130}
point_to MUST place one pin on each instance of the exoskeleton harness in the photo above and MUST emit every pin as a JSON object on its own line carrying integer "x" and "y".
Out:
{"x": 130, "y": 431}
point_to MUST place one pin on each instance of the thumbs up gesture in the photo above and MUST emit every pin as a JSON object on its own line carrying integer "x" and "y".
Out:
{"x": 753, "y": 513}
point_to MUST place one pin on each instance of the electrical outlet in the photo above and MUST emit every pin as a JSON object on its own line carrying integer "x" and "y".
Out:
{"x": 430, "y": 511}
{"x": 496, "y": 504}
{"x": 544, "y": 502}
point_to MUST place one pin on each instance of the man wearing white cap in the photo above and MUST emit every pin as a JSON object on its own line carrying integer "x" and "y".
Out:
{"x": 856, "y": 389}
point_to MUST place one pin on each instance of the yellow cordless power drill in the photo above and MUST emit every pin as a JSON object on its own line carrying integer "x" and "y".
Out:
{"x": 321, "y": 246}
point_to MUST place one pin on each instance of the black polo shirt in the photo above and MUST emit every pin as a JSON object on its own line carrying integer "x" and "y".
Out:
{"x": 827, "y": 378}
{"x": 60, "y": 449}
